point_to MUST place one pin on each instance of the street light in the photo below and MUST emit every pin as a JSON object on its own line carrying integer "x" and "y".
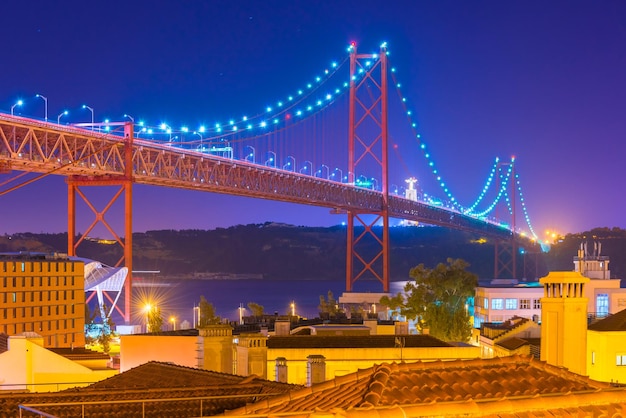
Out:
{"x": 272, "y": 159}
{"x": 252, "y": 154}
{"x": 167, "y": 130}
{"x": 327, "y": 171}
{"x": 65, "y": 112}
{"x": 45, "y": 106}
{"x": 129, "y": 117}
{"x": 290, "y": 160}
{"x": 340, "y": 174}
{"x": 293, "y": 308}
{"x": 173, "y": 321}
{"x": 200, "y": 135}
{"x": 18, "y": 103}
{"x": 196, "y": 323}
{"x": 91, "y": 110}
{"x": 310, "y": 168}
{"x": 374, "y": 183}
{"x": 241, "y": 314}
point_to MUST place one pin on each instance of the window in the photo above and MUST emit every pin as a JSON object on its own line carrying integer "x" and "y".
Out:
{"x": 524, "y": 303}
{"x": 486, "y": 303}
{"x": 511, "y": 304}
{"x": 536, "y": 303}
{"x": 602, "y": 305}
{"x": 497, "y": 303}
{"x": 620, "y": 360}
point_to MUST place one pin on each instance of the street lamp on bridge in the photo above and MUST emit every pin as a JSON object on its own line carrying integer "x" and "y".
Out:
{"x": 45, "y": 106}
{"x": 327, "y": 171}
{"x": 340, "y": 174}
{"x": 168, "y": 130}
{"x": 18, "y": 103}
{"x": 291, "y": 162}
{"x": 252, "y": 154}
{"x": 200, "y": 135}
{"x": 272, "y": 159}
{"x": 310, "y": 168}
{"x": 91, "y": 110}
{"x": 64, "y": 113}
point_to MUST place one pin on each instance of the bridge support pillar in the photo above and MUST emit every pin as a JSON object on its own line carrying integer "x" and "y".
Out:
{"x": 125, "y": 186}
{"x": 368, "y": 232}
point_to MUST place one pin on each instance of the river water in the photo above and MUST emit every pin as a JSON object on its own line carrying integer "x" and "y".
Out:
{"x": 177, "y": 297}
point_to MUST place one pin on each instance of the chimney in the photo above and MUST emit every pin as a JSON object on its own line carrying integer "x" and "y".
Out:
{"x": 282, "y": 328}
{"x": 564, "y": 320}
{"x": 316, "y": 369}
{"x": 402, "y": 328}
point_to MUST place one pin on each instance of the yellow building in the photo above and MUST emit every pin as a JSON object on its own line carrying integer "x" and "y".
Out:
{"x": 208, "y": 348}
{"x": 316, "y": 353}
{"x": 26, "y": 365}
{"x": 564, "y": 320}
{"x": 43, "y": 293}
{"x": 606, "y": 349}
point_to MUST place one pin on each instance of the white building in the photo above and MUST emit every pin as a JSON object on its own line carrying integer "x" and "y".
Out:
{"x": 501, "y": 300}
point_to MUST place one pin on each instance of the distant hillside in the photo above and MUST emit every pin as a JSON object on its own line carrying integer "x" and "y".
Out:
{"x": 284, "y": 251}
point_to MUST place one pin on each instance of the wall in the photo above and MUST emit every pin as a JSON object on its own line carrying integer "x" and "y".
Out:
{"x": 136, "y": 350}
{"x": 606, "y": 345}
{"x": 342, "y": 361}
{"x": 29, "y": 366}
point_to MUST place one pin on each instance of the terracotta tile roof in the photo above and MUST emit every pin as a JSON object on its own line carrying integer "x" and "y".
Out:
{"x": 155, "y": 374}
{"x": 464, "y": 381}
{"x": 615, "y": 322}
{"x": 153, "y": 383}
{"x": 369, "y": 341}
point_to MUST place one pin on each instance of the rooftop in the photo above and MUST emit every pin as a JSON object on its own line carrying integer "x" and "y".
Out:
{"x": 365, "y": 341}
{"x": 432, "y": 387}
{"x": 157, "y": 388}
{"x": 615, "y": 322}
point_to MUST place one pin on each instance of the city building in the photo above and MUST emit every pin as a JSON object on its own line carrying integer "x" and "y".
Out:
{"x": 502, "y": 299}
{"x": 45, "y": 294}
{"x": 306, "y": 355}
{"x": 208, "y": 348}
{"x": 606, "y": 349}
{"x": 514, "y": 336}
{"x": 26, "y": 365}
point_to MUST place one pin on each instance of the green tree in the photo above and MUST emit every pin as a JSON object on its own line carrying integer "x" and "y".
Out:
{"x": 207, "y": 313}
{"x": 437, "y": 299}
{"x": 394, "y": 302}
{"x": 328, "y": 306}
{"x": 106, "y": 332}
{"x": 256, "y": 309}
{"x": 103, "y": 332}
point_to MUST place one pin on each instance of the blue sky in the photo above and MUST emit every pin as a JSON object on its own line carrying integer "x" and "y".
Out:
{"x": 544, "y": 81}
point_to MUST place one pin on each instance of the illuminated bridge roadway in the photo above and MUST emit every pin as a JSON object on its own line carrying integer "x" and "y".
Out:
{"x": 33, "y": 146}
{"x": 30, "y": 145}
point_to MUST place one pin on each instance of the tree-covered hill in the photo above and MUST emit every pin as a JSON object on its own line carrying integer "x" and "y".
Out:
{"x": 285, "y": 251}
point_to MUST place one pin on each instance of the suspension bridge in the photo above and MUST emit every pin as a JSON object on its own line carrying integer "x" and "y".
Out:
{"x": 329, "y": 144}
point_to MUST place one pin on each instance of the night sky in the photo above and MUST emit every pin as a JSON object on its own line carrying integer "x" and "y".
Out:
{"x": 542, "y": 80}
